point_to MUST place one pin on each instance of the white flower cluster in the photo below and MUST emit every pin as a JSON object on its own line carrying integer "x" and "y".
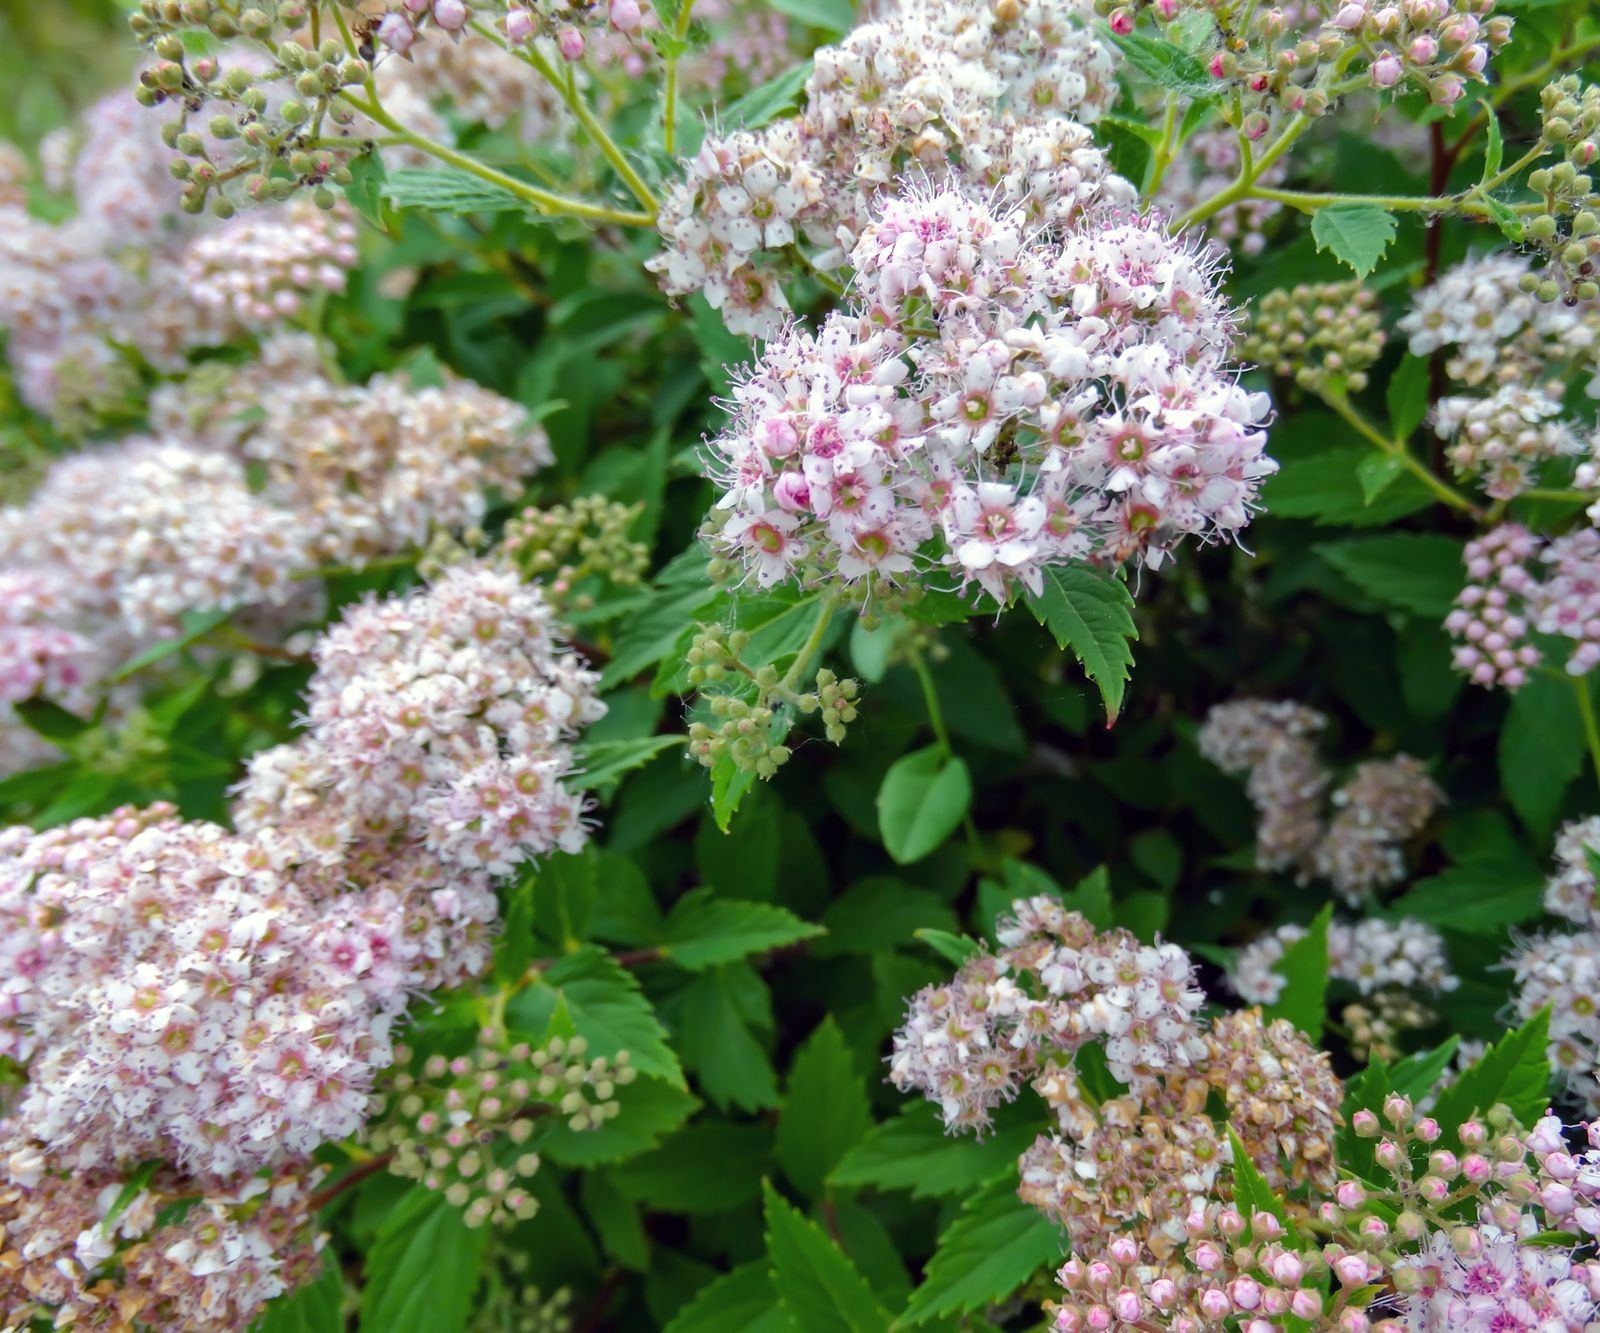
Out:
{"x": 990, "y": 98}
{"x": 130, "y": 270}
{"x": 260, "y": 475}
{"x": 1356, "y": 845}
{"x": 1503, "y": 438}
{"x": 221, "y": 1001}
{"x": 1055, "y": 985}
{"x": 1371, "y": 953}
{"x": 995, "y": 400}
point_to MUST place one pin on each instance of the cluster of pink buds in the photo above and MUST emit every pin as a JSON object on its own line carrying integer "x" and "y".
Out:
{"x": 562, "y": 20}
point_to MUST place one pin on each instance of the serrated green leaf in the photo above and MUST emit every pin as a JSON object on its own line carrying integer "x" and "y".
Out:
{"x": 722, "y": 1013}
{"x": 608, "y": 1009}
{"x": 768, "y": 101}
{"x": 365, "y": 187}
{"x": 1481, "y": 896}
{"x": 313, "y": 1307}
{"x": 1164, "y": 64}
{"x": 879, "y": 913}
{"x": 1494, "y": 149}
{"x": 825, "y": 1110}
{"x": 1377, "y": 472}
{"x": 704, "y": 931}
{"x": 616, "y": 1220}
{"x": 994, "y": 1245}
{"x": 50, "y": 720}
{"x": 1406, "y": 395}
{"x": 1514, "y": 1071}
{"x": 835, "y": 17}
{"x": 1355, "y": 234}
{"x": 1326, "y": 488}
{"x": 709, "y": 1167}
{"x": 650, "y": 1110}
{"x": 1090, "y": 614}
{"x": 606, "y": 761}
{"x": 1542, "y": 749}
{"x": 1410, "y": 571}
{"x": 422, "y": 1269}
{"x": 815, "y": 1280}
{"x": 1252, "y": 1194}
{"x": 743, "y": 1301}
{"x": 915, "y": 1152}
{"x": 956, "y": 948}
{"x": 1304, "y": 969}
{"x": 922, "y": 801}
{"x": 448, "y": 190}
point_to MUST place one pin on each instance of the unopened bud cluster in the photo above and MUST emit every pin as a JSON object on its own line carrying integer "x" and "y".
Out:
{"x": 1567, "y": 227}
{"x": 464, "y": 1126}
{"x": 1325, "y": 336}
{"x": 249, "y": 128}
{"x": 563, "y": 545}
{"x": 562, "y": 21}
{"x": 751, "y": 723}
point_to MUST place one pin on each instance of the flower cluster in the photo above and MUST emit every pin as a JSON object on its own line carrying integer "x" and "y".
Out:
{"x": 1372, "y": 954}
{"x": 1357, "y": 844}
{"x": 222, "y": 1001}
{"x": 995, "y": 401}
{"x": 462, "y": 1126}
{"x": 1519, "y": 584}
{"x": 1567, "y": 228}
{"x": 1503, "y": 438}
{"x": 522, "y": 21}
{"x": 1325, "y": 336}
{"x": 989, "y": 98}
{"x": 570, "y": 547}
{"x": 261, "y": 270}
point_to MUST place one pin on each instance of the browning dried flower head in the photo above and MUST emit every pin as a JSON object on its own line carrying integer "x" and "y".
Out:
{"x": 1324, "y": 336}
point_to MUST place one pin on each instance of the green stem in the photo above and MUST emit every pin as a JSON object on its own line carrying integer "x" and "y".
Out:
{"x": 544, "y": 200}
{"x": 1162, "y": 157}
{"x": 1249, "y": 172}
{"x": 1566, "y": 497}
{"x": 567, "y": 88}
{"x": 941, "y": 735}
{"x": 1395, "y": 448}
{"x": 669, "y": 109}
{"x": 813, "y": 643}
{"x": 1591, "y": 730}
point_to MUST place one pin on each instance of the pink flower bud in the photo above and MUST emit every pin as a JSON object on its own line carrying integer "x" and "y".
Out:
{"x": 1350, "y": 17}
{"x": 1099, "y": 1317}
{"x": 1374, "y": 1228}
{"x": 1423, "y": 50}
{"x": 1427, "y": 1130}
{"x": 451, "y": 15}
{"x": 396, "y": 32}
{"x": 1100, "y": 1274}
{"x": 569, "y": 41}
{"x": 1207, "y": 1257}
{"x": 1264, "y": 1226}
{"x": 1163, "y": 1293}
{"x": 1546, "y": 1136}
{"x": 626, "y": 15}
{"x": 1443, "y": 1164}
{"x": 1433, "y": 1189}
{"x": 1167, "y": 10}
{"x": 1214, "y": 1303}
{"x": 1128, "y": 1306}
{"x": 520, "y": 25}
{"x": 1354, "y": 1321}
{"x": 1305, "y": 1304}
{"x": 1388, "y": 1154}
{"x": 1122, "y": 21}
{"x": 1124, "y": 1250}
{"x": 1476, "y": 1168}
{"x": 1287, "y": 1269}
{"x": 1216, "y": 68}
{"x": 1364, "y": 1123}
{"x": 1230, "y": 1222}
{"x": 1559, "y": 1165}
{"x": 1396, "y": 1109}
{"x": 1351, "y": 1269}
{"x": 1245, "y": 1293}
{"x": 1350, "y": 1194}
{"x": 1558, "y": 1198}
{"x": 1068, "y": 1321}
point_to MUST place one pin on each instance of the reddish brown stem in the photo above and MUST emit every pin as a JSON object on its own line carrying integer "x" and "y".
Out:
{"x": 328, "y": 1193}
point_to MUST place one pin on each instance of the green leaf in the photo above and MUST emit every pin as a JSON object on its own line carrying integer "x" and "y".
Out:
{"x": 825, "y": 1110}
{"x": 768, "y": 101}
{"x": 314, "y": 1307}
{"x": 563, "y": 897}
{"x": 1481, "y": 896}
{"x": 1409, "y": 571}
{"x": 1377, "y": 472}
{"x": 607, "y": 1007}
{"x": 956, "y": 948}
{"x": 606, "y": 761}
{"x": 710, "y": 1167}
{"x": 51, "y": 720}
{"x": 1164, "y": 64}
{"x": 192, "y": 626}
{"x": 423, "y": 1268}
{"x": 1515, "y": 1071}
{"x": 1092, "y": 897}
{"x": 1091, "y": 614}
{"x": 995, "y": 1245}
{"x": 1326, "y": 488}
{"x": 722, "y": 1013}
{"x": 616, "y": 1220}
{"x": 365, "y": 187}
{"x": 1304, "y": 969}
{"x": 1494, "y": 149}
{"x": 513, "y": 947}
{"x": 876, "y": 914}
{"x": 704, "y": 931}
{"x": 835, "y": 17}
{"x": 1509, "y": 223}
{"x": 1542, "y": 749}
{"x": 1252, "y": 1194}
{"x": 922, "y": 801}
{"x": 448, "y": 190}
{"x": 650, "y": 1110}
{"x": 1407, "y": 397}
{"x": 742, "y": 1301}
{"x": 1357, "y": 234}
{"x": 915, "y": 1152}
{"x": 818, "y": 1285}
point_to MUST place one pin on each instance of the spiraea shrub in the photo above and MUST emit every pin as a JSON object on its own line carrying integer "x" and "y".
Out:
{"x": 799, "y": 665}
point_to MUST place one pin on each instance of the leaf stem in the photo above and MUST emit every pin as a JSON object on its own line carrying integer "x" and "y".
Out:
{"x": 1396, "y": 449}
{"x": 669, "y": 108}
{"x": 544, "y": 200}
{"x": 941, "y": 734}
{"x": 813, "y": 643}
{"x": 567, "y": 88}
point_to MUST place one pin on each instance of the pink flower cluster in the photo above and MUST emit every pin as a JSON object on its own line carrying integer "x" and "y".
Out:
{"x": 1519, "y": 584}
{"x": 990, "y": 98}
{"x": 222, "y": 1001}
{"x": 260, "y": 269}
{"x": 995, "y": 401}
{"x": 1438, "y": 45}
{"x": 1371, "y": 954}
{"x": 562, "y": 20}
{"x": 1502, "y": 439}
